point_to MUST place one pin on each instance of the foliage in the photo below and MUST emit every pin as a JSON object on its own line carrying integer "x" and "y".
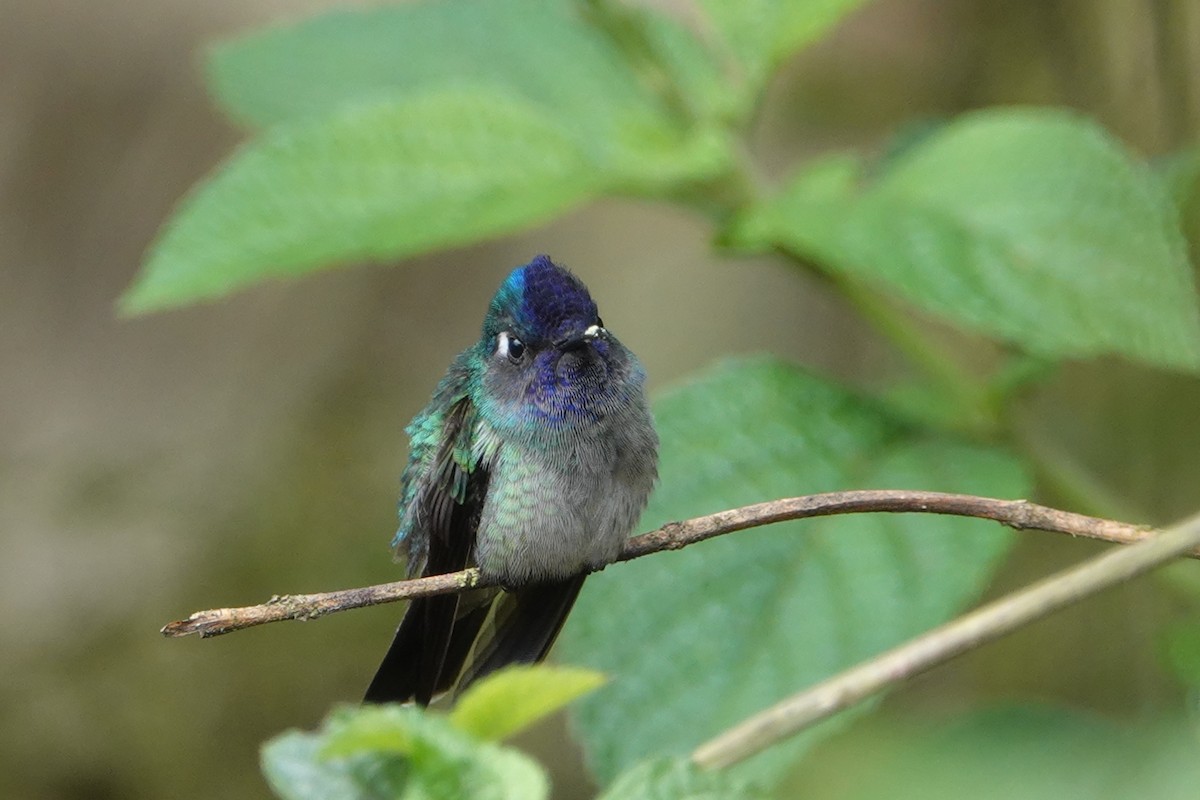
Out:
{"x": 1032, "y": 227}
{"x": 1032, "y": 753}
{"x": 406, "y": 752}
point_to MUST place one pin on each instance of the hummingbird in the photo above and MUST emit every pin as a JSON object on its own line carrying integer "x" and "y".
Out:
{"x": 533, "y": 462}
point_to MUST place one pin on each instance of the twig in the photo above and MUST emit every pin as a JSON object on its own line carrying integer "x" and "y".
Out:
{"x": 673, "y": 536}
{"x": 310, "y": 606}
{"x": 943, "y": 643}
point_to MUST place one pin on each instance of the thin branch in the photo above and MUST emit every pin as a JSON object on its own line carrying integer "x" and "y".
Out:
{"x": 1017, "y": 514}
{"x": 943, "y": 643}
{"x": 310, "y": 606}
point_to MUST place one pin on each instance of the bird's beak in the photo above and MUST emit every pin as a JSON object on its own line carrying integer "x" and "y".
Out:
{"x": 576, "y": 341}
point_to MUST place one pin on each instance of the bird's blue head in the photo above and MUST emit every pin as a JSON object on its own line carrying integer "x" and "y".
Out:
{"x": 546, "y": 357}
{"x": 541, "y": 301}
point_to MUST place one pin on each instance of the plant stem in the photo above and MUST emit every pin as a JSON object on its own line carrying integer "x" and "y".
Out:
{"x": 967, "y": 392}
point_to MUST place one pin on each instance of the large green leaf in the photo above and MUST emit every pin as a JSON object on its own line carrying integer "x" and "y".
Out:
{"x": 678, "y": 779}
{"x": 377, "y": 181}
{"x": 1033, "y": 226}
{"x": 687, "y": 72}
{"x": 1027, "y": 753}
{"x": 761, "y": 33}
{"x": 1181, "y": 650}
{"x": 695, "y": 641}
{"x": 400, "y": 130}
{"x": 1180, "y": 172}
{"x": 542, "y": 49}
{"x": 396, "y": 752}
{"x": 548, "y": 52}
{"x": 512, "y": 699}
{"x": 294, "y": 769}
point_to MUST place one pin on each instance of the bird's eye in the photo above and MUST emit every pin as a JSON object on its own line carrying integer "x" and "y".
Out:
{"x": 510, "y": 347}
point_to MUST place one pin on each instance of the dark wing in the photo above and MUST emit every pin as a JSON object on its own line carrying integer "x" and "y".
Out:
{"x": 436, "y": 634}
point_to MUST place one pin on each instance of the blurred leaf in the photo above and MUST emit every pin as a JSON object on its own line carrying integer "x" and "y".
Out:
{"x": 1030, "y": 225}
{"x": 514, "y": 698}
{"x": 542, "y": 49}
{"x": 378, "y": 181}
{"x": 396, "y": 752}
{"x": 1181, "y": 645}
{"x": 1182, "y": 578}
{"x": 674, "y": 62}
{"x": 906, "y": 138}
{"x": 545, "y": 52}
{"x": 295, "y": 772}
{"x": 710, "y": 634}
{"x": 1028, "y": 753}
{"x": 1181, "y": 173}
{"x": 677, "y": 779}
{"x": 761, "y": 33}
{"x": 373, "y": 729}
{"x": 400, "y": 130}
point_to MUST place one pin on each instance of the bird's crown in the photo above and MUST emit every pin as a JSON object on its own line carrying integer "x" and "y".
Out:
{"x": 541, "y": 300}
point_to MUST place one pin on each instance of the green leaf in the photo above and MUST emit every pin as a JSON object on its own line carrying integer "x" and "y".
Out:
{"x": 1033, "y": 226}
{"x": 400, "y": 752}
{"x": 547, "y": 52}
{"x": 294, "y": 770}
{"x": 678, "y": 779}
{"x": 373, "y": 729}
{"x": 761, "y": 33}
{"x": 400, "y": 130}
{"x": 1181, "y": 650}
{"x": 377, "y": 181}
{"x": 514, "y": 698}
{"x": 710, "y": 634}
{"x": 685, "y": 71}
{"x": 542, "y": 49}
{"x": 1181, "y": 173}
{"x": 1030, "y": 753}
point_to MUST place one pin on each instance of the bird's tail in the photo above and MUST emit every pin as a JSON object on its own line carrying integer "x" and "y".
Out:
{"x": 429, "y": 649}
{"x": 438, "y": 634}
{"x": 526, "y": 623}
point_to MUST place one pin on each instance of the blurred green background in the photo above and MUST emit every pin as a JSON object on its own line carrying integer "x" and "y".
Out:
{"x": 220, "y": 454}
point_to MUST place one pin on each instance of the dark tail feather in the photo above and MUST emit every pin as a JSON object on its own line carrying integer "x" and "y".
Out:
{"x": 436, "y": 636}
{"x": 414, "y": 660}
{"x": 427, "y": 652}
{"x": 466, "y": 631}
{"x": 527, "y": 622}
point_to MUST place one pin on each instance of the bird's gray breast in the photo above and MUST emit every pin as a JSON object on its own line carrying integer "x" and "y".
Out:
{"x": 557, "y": 508}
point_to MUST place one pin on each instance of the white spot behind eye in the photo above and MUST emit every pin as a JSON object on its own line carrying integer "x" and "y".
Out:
{"x": 509, "y": 346}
